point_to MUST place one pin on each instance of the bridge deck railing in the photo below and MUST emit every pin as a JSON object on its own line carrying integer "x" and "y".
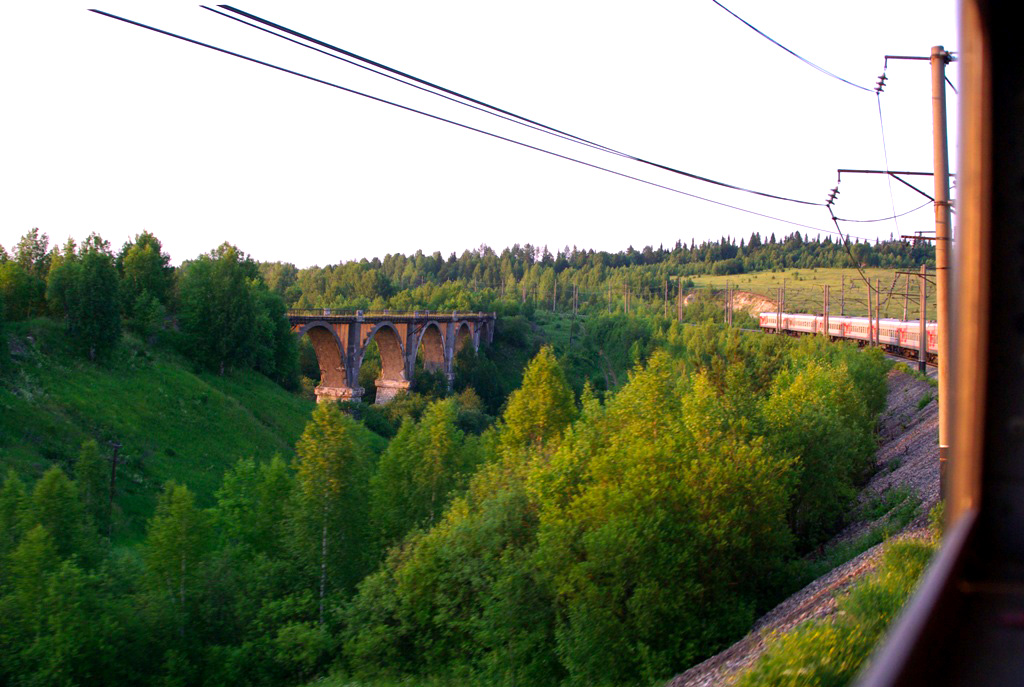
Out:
{"x": 340, "y": 312}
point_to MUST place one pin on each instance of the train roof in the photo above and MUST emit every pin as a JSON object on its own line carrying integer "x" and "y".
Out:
{"x": 884, "y": 320}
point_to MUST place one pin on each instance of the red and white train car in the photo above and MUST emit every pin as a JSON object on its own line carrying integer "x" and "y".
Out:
{"x": 898, "y": 336}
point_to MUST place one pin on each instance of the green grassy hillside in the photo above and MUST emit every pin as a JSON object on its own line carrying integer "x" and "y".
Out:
{"x": 804, "y": 292}
{"x": 172, "y": 423}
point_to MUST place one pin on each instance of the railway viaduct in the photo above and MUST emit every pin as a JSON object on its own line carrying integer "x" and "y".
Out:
{"x": 340, "y": 341}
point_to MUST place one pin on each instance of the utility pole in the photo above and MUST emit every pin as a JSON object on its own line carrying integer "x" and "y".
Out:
{"x": 783, "y": 295}
{"x": 679, "y": 299}
{"x": 778, "y": 317}
{"x": 826, "y": 311}
{"x": 878, "y": 313}
{"x": 906, "y": 298}
{"x": 943, "y": 238}
{"x": 922, "y": 339}
{"x": 666, "y": 299}
{"x": 842, "y": 297}
{"x": 726, "y": 311}
{"x": 731, "y": 291}
{"x": 871, "y": 314}
{"x": 939, "y": 58}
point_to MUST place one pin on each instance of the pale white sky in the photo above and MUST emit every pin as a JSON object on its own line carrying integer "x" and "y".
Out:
{"x": 106, "y": 127}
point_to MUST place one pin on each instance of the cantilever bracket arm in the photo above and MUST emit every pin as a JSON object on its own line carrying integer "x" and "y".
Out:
{"x": 895, "y": 175}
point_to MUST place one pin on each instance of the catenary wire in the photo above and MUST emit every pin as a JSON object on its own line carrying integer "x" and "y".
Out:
{"x": 454, "y": 123}
{"x": 397, "y": 79}
{"x": 545, "y": 127}
{"x": 802, "y": 59}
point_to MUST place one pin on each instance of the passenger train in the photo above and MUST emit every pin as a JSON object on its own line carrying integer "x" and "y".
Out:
{"x": 901, "y": 337}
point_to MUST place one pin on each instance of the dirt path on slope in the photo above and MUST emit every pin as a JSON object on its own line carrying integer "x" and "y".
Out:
{"x": 907, "y": 458}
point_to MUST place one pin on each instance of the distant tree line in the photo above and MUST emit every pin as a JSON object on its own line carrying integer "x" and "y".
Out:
{"x": 485, "y": 279}
{"x": 225, "y": 310}
{"x": 215, "y": 309}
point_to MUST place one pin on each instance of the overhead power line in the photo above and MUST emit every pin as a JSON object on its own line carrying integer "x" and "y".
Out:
{"x": 397, "y": 79}
{"x": 886, "y": 219}
{"x": 794, "y": 54}
{"x": 458, "y": 124}
{"x": 477, "y": 104}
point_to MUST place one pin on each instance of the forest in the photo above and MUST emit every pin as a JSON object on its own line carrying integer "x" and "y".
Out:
{"x": 602, "y": 498}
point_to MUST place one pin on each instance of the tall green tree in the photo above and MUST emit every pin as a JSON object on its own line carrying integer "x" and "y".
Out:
{"x": 175, "y": 546}
{"x": 423, "y": 465}
{"x": 144, "y": 268}
{"x": 23, "y": 277}
{"x": 5, "y": 353}
{"x": 253, "y": 505}
{"x": 82, "y": 642}
{"x": 84, "y": 287}
{"x": 32, "y": 253}
{"x": 147, "y": 279}
{"x": 231, "y": 320}
{"x": 332, "y": 472}
{"x": 26, "y": 570}
{"x": 542, "y": 407}
{"x": 275, "y": 349}
{"x": 57, "y": 506}
{"x": 92, "y": 476}
{"x": 61, "y": 278}
{"x": 21, "y": 292}
{"x": 216, "y": 309}
{"x": 13, "y": 514}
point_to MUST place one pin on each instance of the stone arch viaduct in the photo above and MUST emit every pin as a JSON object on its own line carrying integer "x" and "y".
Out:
{"x": 341, "y": 339}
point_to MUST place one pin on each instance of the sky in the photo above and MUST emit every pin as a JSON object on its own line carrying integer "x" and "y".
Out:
{"x": 109, "y": 128}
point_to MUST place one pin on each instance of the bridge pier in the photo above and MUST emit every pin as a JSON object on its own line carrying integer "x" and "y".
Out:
{"x": 387, "y": 389}
{"x": 327, "y": 394}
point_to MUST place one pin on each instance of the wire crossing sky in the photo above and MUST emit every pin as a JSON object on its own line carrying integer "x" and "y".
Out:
{"x": 503, "y": 138}
{"x": 117, "y": 130}
{"x": 497, "y": 110}
{"x": 791, "y": 52}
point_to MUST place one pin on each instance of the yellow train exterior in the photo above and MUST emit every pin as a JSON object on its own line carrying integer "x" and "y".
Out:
{"x": 902, "y": 337}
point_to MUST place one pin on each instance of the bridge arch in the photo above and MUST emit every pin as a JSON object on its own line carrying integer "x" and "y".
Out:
{"x": 463, "y": 335}
{"x": 431, "y": 342}
{"x": 330, "y": 355}
{"x": 486, "y": 332}
{"x": 392, "y": 353}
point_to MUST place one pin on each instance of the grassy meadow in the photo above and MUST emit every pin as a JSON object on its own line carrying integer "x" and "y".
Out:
{"x": 804, "y": 292}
